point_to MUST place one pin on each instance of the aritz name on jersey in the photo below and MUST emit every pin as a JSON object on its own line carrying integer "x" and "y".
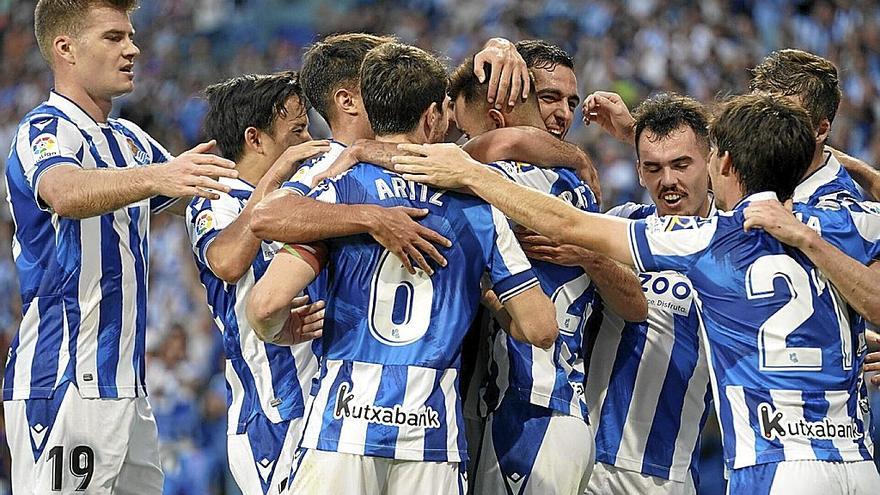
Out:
{"x": 775, "y": 424}
{"x": 346, "y": 407}
{"x": 396, "y": 187}
{"x": 667, "y": 291}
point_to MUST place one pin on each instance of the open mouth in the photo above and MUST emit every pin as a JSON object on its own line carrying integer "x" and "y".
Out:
{"x": 556, "y": 132}
{"x": 672, "y": 199}
{"x": 128, "y": 69}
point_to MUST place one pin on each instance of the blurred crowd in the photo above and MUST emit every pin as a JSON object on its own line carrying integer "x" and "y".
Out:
{"x": 633, "y": 47}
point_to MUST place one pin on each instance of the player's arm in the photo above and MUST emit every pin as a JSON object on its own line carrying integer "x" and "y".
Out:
{"x": 71, "y": 191}
{"x": 289, "y": 217}
{"x": 447, "y": 166}
{"x": 856, "y": 282}
{"x": 867, "y": 176}
{"x": 618, "y": 285}
{"x": 231, "y": 253}
{"x": 528, "y": 317}
{"x": 271, "y": 300}
{"x": 535, "y": 146}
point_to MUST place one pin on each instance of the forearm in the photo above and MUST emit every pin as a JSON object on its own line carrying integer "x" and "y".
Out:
{"x": 551, "y": 217}
{"x": 288, "y": 217}
{"x": 855, "y": 281}
{"x": 375, "y": 152}
{"x": 77, "y": 193}
{"x": 619, "y": 287}
{"x": 526, "y": 144}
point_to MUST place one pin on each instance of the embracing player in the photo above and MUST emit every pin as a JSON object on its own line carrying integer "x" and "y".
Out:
{"x": 387, "y": 414}
{"x": 538, "y": 439}
{"x": 788, "y": 409}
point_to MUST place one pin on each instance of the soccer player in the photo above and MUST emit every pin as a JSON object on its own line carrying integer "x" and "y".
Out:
{"x": 781, "y": 371}
{"x": 386, "y": 416}
{"x": 648, "y": 384}
{"x": 261, "y": 123}
{"x": 82, "y": 187}
{"x": 537, "y": 439}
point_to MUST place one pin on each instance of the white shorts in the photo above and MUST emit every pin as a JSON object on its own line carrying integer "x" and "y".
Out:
{"x": 806, "y": 478}
{"x": 334, "y": 472}
{"x": 529, "y": 449}
{"x": 261, "y": 458}
{"x": 612, "y": 480}
{"x": 68, "y": 444}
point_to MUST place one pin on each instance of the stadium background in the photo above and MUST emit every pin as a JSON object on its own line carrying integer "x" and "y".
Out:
{"x": 633, "y": 47}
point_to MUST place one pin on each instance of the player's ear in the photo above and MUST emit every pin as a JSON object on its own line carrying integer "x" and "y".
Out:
{"x": 346, "y": 101}
{"x": 726, "y": 164}
{"x": 431, "y": 119}
{"x": 639, "y": 173}
{"x": 62, "y": 47}
{"x": 253, "y": 139}
{"x": 498, "y": 120}
{"x": 822, "y": 131}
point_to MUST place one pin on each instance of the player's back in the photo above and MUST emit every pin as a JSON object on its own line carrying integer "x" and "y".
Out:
{"x": 781, "y": 349}
{"x": 548, "y": 378}
{"x": 392, "y": 340}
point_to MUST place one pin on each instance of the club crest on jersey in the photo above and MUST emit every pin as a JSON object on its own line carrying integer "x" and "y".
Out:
{"x": 775, "y": 424}
{"x": 45, "y": 146}
{"x": 347, "y": 408}
{"x": 204, "y": 222}
{"x": 140, "y": 156}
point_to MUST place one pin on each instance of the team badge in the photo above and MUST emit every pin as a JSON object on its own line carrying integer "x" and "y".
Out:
{"x": 140, "y": 156}
{"x": 44, "y": 146}
{"x": 204, "y": 222}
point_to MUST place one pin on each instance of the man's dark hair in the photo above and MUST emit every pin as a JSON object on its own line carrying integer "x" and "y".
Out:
{"x": 770, "y": 141}
{"x": 253, "y": 100}
{"x": 333, "y": 62}
{"x": 56, "y": 17}
{"x": 398, "y": 83}
{"x": 540, "y": 54}
{"x": 799, "y": 73}
{"x": 463, "y": 82}
{"x": 664, "y": 113}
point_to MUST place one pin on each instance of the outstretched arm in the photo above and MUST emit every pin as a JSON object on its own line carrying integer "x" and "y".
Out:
{"x": 447, "y": 166}
{"x": 619, "y": 286}
{"x": 288, "y": 217}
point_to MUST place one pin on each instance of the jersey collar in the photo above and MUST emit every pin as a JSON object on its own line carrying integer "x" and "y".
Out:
{"x": 821, "y": 176}
{"x": 759, "y": 196}
{"x": 72, "y": 110}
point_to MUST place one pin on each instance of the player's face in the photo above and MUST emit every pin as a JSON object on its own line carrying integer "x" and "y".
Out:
{"x": 105, "y": 52}
{"x": 470, "y": 123}
{"x": 674, "y": 171}
{"x": 291, "y": 128}
{"x": 557, "y": 96}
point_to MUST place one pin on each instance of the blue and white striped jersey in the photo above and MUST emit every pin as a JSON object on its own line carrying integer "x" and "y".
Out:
{"x": 389, "y": 379}
{"x": 782, "y": 354}
{"x": 648, "y": 382}
{"x": 83, "y": 281}
{"x": 551, "y": 378}
{"x": 301, "y": 181}
{"x": 831, "y": 181}
{"x": 261, "y": 378}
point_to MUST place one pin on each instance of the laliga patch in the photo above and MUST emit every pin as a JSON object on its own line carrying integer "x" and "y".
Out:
{"x": 45, "y": 146}
{"x": 140, "y": 156}
{"x": 204, "y": 222}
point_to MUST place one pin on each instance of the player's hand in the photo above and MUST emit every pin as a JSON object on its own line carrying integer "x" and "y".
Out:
{"x": 609, "y": 111}
{"x": 343, "y": 163}
{"x": 193, "y": 173}
{"x": 397, "y": 231}
{"x": 777, "y": 220}
{"x": 305, "y": 323}
{"x": 590, "y": 175}
{"x": 541, "y": 248}
{"x": 443, "y": 165}
{"x": 509, "y": 77}
{"x": 291, "y": 159}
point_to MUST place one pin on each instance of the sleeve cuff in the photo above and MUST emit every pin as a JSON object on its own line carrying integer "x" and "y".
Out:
{"x": 638, "y": 244}
{"x": 297, "y": 187}
{"x": 159, "y": 204}
{"x": 41, "y": 169}
{"x": 515, "y": 285}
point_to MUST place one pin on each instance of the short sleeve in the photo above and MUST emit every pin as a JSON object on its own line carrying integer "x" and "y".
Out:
{"x": 509, "y": 270}
{"x": 47, "y": 142}
{"x": 670, "y": 243}
{"x": 853, "y": 226}
{"x": 206, "y": 218}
